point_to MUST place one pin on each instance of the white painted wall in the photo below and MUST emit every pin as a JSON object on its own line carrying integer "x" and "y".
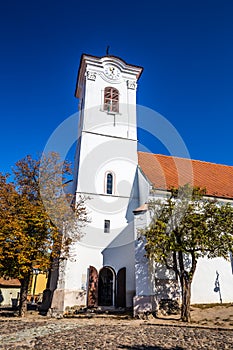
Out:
{"x": 8, "y": 294}
{"x": 144, "y": 188}
{"x": 205, "y": 278}
{"x": 144, "y": 285}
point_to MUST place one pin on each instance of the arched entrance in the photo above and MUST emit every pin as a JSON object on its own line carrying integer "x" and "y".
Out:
{"x": 106, "y": 287}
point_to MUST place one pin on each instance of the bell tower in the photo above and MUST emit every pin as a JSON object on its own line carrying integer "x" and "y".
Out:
{"x": 106, "y": 88}
{"x": 106, "y": 174}
{"x": 108, "y": 85}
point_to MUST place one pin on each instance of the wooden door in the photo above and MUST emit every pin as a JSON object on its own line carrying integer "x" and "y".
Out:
{"x": 92, "y": 294}
{"x": 106, "y": 287}
{"x": 121, "y": 288}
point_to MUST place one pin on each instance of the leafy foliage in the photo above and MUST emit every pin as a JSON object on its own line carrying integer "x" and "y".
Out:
{"x": 38, "y": 219}
{"x": 185, "y": 227}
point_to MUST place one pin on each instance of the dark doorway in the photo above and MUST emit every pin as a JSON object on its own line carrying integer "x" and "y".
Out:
{"x": 121, "y": 288}
{"x": 106, "y": 287}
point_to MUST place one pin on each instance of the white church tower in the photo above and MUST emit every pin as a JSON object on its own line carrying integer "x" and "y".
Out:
{"x": 101, "y": 271}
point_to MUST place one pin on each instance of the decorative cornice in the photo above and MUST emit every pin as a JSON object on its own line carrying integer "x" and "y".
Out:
{"x": 98, "y": 63}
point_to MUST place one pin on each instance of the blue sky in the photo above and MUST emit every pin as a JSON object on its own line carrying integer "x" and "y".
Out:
{"x": 185, "y": 47}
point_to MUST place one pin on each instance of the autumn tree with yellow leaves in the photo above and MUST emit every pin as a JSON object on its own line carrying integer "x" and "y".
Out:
{"x": 39, "y": 220}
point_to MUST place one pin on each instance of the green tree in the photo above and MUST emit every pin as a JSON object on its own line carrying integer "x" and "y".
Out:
{"x": 185, "y": 227}
{"x": 38, "y": 219}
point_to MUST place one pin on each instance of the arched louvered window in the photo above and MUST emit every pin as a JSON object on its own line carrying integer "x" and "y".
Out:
{"x": 111, "y": 100}
{"x": 109, "y": 183}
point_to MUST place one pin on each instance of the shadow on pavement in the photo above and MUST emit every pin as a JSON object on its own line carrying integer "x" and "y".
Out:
{"x": 143, "y": 347}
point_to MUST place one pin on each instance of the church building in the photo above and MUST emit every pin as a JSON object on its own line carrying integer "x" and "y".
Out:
{"x": 108, "y": 267}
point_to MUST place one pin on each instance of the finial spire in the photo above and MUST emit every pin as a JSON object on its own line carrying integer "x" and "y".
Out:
{"x": 107, "y": 50}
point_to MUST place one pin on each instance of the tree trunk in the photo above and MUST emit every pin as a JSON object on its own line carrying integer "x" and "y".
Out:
{"x": 186, "y": 297}
{"x": 185, "y": 281}
{"x": 23, "y": 295}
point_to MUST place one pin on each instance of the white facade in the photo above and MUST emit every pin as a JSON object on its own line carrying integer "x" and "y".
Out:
{"x": 7, "y": 294}
{"x": 108, "y": 265}
{"x": 107, "y": 146}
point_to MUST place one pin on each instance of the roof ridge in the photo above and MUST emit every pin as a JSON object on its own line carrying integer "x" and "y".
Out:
{"x": 193, "y": 160}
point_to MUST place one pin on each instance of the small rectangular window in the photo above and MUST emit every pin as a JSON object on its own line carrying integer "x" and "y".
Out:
{"x": 106, "y": 226}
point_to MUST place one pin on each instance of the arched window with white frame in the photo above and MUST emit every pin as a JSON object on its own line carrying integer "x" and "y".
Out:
{"x": 111, "y": 100}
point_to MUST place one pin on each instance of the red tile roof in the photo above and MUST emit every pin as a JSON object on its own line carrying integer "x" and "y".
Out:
{"x": 11, "y": 282}
{"x": 165, "y": 172}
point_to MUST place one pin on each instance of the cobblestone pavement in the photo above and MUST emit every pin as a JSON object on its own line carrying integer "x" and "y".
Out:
{"x": 93, "y": 334}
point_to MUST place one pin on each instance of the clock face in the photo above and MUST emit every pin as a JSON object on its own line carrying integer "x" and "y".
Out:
{"x": 112, "y": 72}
